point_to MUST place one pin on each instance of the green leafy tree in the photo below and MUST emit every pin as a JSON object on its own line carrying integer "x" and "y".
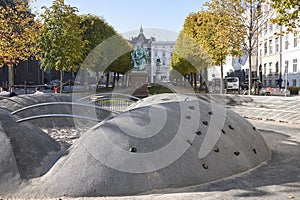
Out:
{"x": 288, "y": 14}
{"x": 247, "y": 21}
{"x": 61, "y": 44}
{"x": 189, "y": 58}
{"x": 215, "y": 32}
{"x": 111, "y": 55}
{"x": 104, "y": 47}
{"x": 18, "y": 32}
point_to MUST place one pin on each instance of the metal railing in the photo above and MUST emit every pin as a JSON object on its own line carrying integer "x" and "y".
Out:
{"x": 61, "y": 114}
{"x": 112, "y": 101}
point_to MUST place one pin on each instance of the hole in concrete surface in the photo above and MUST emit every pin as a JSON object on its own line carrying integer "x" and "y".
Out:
{"x": 231, "y": 127}
{"x": 192, "y": 107}
{"x": 254, "y": 150}
{"x": 205, "y": 123}
{"x": 188, "y": 117}
{"x": 223, "y": 131}
{"x": 198, "y": 132}
{"x": 205, "y": 166}
{"x": 210, "y": 112}
{"x": 189, "y": 142}
{"x": 217, "y": 150}
{"x": 133, "y": 149}
{"x": 236, "y": 153}
{"x": 254, "y": 128}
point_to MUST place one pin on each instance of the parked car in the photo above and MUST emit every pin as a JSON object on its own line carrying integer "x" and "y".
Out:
{"x": 232, "y": 84}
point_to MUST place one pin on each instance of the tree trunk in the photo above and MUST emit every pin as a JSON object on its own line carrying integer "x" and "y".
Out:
{"x": 107, "y": 79}
{"x": 11, "y": 79}
{"x": 97, "y": 80}
{"x": 114, "y": 80}
{"x": 61, "y": 81}
{"x": 191, "y": 79}
{"x": 250, "y": 75}
{"x": 222, "y": 80}
{"x": 195, "y": 80}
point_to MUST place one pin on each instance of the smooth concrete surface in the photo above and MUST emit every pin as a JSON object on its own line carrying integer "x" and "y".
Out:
{"x": 174, "y": 142}
{"x": 32, "y": 99}
{"x": 24, "y": 149}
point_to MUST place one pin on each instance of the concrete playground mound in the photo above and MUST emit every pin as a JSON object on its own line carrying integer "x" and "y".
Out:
{"x": 22, "y": 101}
{"x": 26, "y": 152}
{"x": 162, "y": 142}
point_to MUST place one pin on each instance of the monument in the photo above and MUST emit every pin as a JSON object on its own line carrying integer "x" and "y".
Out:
{"x": 139, "y": 74}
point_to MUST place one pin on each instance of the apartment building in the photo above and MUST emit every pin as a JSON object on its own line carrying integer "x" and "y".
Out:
{"x": 278, "y": 54}
{"x": 162, "y": 51}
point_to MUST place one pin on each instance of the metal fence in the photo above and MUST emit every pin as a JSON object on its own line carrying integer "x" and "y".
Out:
{"x": 112, "y": 101}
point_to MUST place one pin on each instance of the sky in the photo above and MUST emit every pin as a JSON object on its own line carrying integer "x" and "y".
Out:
{"x": 162, "y": 19}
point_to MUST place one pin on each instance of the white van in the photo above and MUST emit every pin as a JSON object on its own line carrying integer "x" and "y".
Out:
{"x": 232, "y": 84}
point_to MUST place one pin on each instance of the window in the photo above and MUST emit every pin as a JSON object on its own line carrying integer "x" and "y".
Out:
{"x": 266, "y": 27}
{"x": 270, "y": 46}
{"x": 286, "y": 42}
{"x": 294, "y": 82}
{"x": 276, "y": 45}
{"x": 164, "y": 54}
{"x": 270, "y": 68}
{"x": 265, "y": 68}
{"x": 277, "y": 68}
{"x": 276, "y": 27}
{"x": 265, "y": 48}
{"x": 270, "y": 27}
{"x": 163, "y": 62}
{"x": 155, "y": 54}
{"x": 294, "y": 65}
{"x": 295, "y": 40}
{"x": 260, "y": 52}
{"x": 286, "y": 66}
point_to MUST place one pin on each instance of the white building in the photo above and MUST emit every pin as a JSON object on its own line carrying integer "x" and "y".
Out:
{"x": 161, "y": 50}
{"x": 278, "y": 54}
{"x": 291, "y": 59}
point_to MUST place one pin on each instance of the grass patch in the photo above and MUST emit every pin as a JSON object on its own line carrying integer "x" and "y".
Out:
{"x": 155, "y": 88}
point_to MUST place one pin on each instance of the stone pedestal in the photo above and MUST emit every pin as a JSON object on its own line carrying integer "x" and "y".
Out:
{"x": 139, "y": 83}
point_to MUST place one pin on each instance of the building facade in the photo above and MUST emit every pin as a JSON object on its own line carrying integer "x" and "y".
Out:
{"x": 291, "y": 60}
{"x": 161, "y": 50}
{"x": 278, "y": 54}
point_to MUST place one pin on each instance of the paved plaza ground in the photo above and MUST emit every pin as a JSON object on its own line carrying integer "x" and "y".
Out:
{"x": 278, "y": 121}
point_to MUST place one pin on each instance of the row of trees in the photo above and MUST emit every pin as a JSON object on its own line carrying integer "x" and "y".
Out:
{"x": 61, "y": 39}
{"x": 227, "y": 27}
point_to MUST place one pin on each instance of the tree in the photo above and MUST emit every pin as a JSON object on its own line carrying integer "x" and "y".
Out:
{"x": 188, "y": 57}
{"x": 288, "y": 14}
{"x": 18, "y": 31}
{"x": 247, "y": 21}
{"x": 214, "y": 29}
{"x": 103, "y": 40}
{"x": 61, "y": 42}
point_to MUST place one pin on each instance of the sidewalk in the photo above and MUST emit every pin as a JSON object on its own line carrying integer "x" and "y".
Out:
{"x": 269, "y": 108}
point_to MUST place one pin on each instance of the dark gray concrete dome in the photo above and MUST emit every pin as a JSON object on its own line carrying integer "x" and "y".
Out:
{"x": 169, "y": 143}
{"x": 22, "y": 101}
{"x": 24, "y": 149}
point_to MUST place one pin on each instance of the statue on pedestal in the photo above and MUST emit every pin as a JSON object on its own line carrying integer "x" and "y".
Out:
{"x": 139, "y": 58}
